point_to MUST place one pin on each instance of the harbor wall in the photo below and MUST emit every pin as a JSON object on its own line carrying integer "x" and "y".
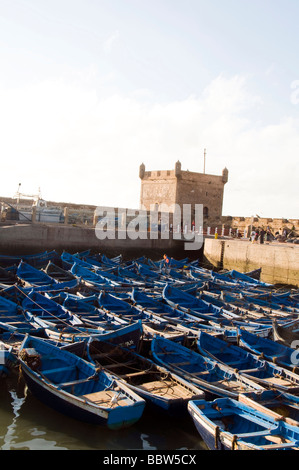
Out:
{"x": 22, "y": 239}
{"x": 279, "y": 262}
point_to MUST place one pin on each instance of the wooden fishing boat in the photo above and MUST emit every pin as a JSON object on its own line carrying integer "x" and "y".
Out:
{"x": 228, "y": 424}
{"x": 152, "y": 323}
{"x": 69, "y": 260}
{"x": 74, "y": 387}
{"x": 273, "y": 304}
{"x": 95, "y": 279}
{"x": 128, "y": 335}
{"x": 159, "y": 387}
{"x": 187, "y": 319}
{"x": 38, "y": 307}
{"x": 58, "y": 273}
{"x": 212, "y": 377}
{"x": 32, "y": 276}
{"x": 36, "y": 278}
{"x": 248, "y": 364}
{"x": 159, "y": 307}
{"x": 246, "y": 278}
{"x": 60, "y": 323}
{"x": 148, "y": 274}
{"x": 238, "y": 304}
{"x": 125, "y": 310}
{"x": 38, "y": 260}
{"x": 280, "y": 404}
{"x": 269, "y": 350}
{"x": 211, "y": 312}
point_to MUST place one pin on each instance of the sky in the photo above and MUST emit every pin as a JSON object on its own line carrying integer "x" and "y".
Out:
{"x": 90, "y": 89}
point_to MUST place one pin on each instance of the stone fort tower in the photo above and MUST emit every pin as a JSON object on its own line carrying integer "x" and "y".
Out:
{"x": 183, "y": 187}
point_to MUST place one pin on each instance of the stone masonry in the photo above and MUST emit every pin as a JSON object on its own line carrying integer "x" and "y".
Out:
{"x": 183, "y": 187}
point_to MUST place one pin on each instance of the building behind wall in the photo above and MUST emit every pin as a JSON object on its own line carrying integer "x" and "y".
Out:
{"x": 180, "y": 187}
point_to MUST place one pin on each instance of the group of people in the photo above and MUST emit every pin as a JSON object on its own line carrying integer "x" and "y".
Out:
{"x": 258, "y": 235}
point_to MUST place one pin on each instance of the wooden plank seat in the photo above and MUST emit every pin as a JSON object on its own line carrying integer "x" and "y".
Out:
{"x": 253, "y": 434}
{"x": 75, "y": 382}
{"x": 134, "y": 374}
{"x": 282, "y": 381}
{"x": 196, "y": 374}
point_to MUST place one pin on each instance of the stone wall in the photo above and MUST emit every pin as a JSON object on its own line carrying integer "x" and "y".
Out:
{"x": 35, "y": 238}
{"x": 183, "y": 187}
{"x": 279, "y": 261}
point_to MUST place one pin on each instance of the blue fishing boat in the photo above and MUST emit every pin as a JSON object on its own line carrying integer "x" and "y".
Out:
{"x": 180, "y": 318}
{"x": 148, "y": 274}
{"x": 281, "y": 405}
{"x": 151, "y": 322}
{"x": 124, "y": 309}
{"x": 159, "y": 387}
{"x": 248, "y": 364}
{"x": 73, "y": 386}
{"x": 211, "y": 376}
{"x": 115, "y": 261}
{"x": 58, "y": 273}
{"x": 32, "y": 276}
{"x": 171, "y": 314}
{"x": 95, "y": 279}
{"x": 86, "y": 310}
{"x": 36, "y": 278}
{"x": 227, "y": 424}
{"x": 210, "y": 312}
{"x": 37, "y": 306}
{"x": 69, "y": 260}
{"x": 60, "y": 324}
{"x": 130, "y": 275}
{"x": 273, "y": 304}
{"x": 270, "y": 350}
{"x": 38, "y": 260}
{"x": 183, "y": 300}
{"x": 245, "y": 278}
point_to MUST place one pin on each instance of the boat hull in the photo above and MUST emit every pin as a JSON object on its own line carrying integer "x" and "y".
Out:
{"x": 79, "y": 409}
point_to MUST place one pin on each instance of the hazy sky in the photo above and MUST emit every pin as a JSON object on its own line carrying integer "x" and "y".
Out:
{"x": 90, "y": 89}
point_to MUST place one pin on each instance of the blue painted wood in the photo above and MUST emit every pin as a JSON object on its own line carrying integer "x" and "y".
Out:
{"x": 227, "y": 424}
{"x": 76, "y": 388}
